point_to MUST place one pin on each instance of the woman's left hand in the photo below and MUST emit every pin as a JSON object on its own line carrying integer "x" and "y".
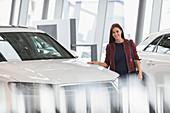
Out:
{"x": 140, "y": 75}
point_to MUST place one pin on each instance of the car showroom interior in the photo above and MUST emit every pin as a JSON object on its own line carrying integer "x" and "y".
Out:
{"x": 84, "y": 56}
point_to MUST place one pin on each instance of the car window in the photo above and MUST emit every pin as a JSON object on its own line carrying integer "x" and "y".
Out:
{"x": 35, "y": 46}
{"x": 43, "y": 47}
{"x": 164, "y": 45}
{"x": 152, "y": 45}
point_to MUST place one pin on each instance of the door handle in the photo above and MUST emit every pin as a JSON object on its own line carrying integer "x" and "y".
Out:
{"x": 150, "y": 63}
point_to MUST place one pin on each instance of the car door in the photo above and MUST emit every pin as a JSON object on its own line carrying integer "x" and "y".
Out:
{"x": 156, "y": 57}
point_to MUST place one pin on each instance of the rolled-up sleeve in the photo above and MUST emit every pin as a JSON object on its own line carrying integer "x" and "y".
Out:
{"x": 107, "y": 57}
{"x": 134, "y": 50}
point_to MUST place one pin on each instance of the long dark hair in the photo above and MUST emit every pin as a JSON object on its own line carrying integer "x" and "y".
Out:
{"x": 111, "y": 38}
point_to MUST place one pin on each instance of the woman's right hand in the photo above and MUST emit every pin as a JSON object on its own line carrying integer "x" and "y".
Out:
{"x": 98, "y": 63}
{"x": 95, "y": 62}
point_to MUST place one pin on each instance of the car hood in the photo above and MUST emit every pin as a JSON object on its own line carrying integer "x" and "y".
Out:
{"x": 54, "y": 71}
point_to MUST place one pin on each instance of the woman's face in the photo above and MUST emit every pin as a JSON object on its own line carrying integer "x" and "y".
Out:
{"x": 116, "y": 33}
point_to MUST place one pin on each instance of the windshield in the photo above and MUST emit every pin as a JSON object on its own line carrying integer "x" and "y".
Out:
{"x": 33, "y": 46}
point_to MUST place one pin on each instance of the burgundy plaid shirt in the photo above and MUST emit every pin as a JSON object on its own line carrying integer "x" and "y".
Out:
{"x": 110, "y": 53}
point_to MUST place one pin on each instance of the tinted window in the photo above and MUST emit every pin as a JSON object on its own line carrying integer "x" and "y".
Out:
{"x": 34, "y": 46}
{"x": 164, "y": 45}
{"x": 152, "y": 45}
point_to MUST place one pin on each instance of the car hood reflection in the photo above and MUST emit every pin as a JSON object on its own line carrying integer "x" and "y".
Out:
{"x": 54, "y": 71}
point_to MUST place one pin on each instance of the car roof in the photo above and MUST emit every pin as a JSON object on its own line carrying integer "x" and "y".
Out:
{"x": 18, "y": 29}
{"x": 151, "y": 37}
{"x": 165, "y": 31}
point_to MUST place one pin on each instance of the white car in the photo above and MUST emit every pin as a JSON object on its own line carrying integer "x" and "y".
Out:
{"x": 38, "y": 75}
{"x": 154, "y": 52}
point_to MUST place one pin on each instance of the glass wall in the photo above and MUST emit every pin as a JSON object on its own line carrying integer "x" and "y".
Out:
{"x": 131, "y": 13}
{"x": 123, "y": 12}
{"x": 115, "y": 14}
{"x": 34, "y": 11}
{"x": 147, "y": 20}
{"x": 5, "y": 6}
{"x": 51, "y": 9}
{"x": 165, "y": 15}
{"x": 85, "y": 12}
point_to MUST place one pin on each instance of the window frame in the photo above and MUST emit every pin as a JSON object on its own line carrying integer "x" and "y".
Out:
{"x": 164, "y": 36}
{"x": 154, "y": 48}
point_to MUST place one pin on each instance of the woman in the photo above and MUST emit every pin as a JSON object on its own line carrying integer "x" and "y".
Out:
{"x": 118, "y": 54}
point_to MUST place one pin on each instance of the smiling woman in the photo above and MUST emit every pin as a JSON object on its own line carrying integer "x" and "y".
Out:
{"x": 119, "y": 54}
